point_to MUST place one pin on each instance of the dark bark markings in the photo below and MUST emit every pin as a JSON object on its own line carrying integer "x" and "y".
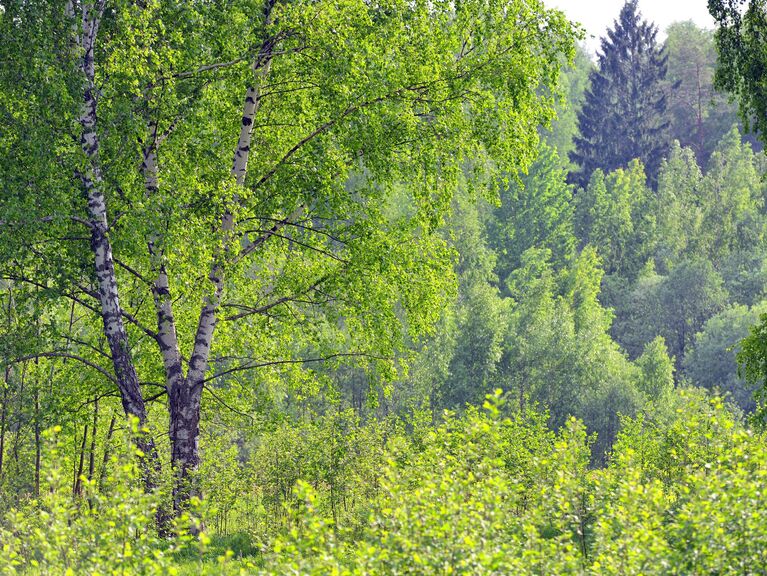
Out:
{"x": 92, "y": 180}
{"x": 185, "y": 396}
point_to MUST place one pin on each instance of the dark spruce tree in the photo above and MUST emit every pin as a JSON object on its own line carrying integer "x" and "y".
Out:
{"x": 624, "y": 112}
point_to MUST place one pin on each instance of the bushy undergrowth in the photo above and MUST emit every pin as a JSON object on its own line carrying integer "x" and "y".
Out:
{"x": 105, "y": 526}
{"x": 99, "y": 532}
{"x": 483, "y": 493}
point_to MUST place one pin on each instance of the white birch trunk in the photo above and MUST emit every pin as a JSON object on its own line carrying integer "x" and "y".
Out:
{"x": 111, "y": 312}
{"x": 185, "y": 398}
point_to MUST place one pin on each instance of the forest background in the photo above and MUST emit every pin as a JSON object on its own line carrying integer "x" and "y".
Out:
{"x": 322, "y": 235}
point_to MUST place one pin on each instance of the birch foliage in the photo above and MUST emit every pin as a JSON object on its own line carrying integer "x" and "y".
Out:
{"x": 246, "y": 156}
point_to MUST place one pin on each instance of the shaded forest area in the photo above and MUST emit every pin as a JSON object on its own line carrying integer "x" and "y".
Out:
{"x": 379, "y": 287}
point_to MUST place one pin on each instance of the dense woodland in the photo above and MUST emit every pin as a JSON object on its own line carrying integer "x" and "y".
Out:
{"x": 380, "y": 287}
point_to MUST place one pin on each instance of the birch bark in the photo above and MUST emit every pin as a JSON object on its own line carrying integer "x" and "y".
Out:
{"x": 185, "y": 394}
{"x": 108, "y": 295}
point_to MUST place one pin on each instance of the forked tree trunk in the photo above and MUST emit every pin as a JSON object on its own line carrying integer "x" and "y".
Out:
{"x": 167, "y": 338}
{"x": 185, "y": 435}
{"x": 185, "y": 394}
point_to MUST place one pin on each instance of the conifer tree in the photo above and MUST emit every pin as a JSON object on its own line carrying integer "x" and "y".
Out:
{"x": 624, "y": 113}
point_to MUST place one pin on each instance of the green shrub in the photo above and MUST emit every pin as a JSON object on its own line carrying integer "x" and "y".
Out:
{"x": 483, "y": 493}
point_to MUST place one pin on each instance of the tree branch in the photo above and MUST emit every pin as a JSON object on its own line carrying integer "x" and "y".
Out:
{"x": 297, "y": 225}
{"x": 282, "y": 362}
{"x": 67, "y": 355}
{"x": 250, "y": 248}
{"x": 327, "y": 253}
{"x": 133, "y": 271}
{"x": 127, "y": 315}
{"x": 64, "y": 294}
{"x": 218, "y": 399}
{"x": 87, "y": 345}
{"x": 47, "y": 219}
{"x": 249, "y": 311}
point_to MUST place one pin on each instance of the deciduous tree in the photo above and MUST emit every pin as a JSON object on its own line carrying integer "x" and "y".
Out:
{"x": 741, "y": 26}
{"x": 200, "y": 169}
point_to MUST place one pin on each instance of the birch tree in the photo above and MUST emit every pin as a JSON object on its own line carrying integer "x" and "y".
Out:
{"x": 212, "y": 181}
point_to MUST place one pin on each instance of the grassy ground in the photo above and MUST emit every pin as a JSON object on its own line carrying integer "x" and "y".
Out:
{"x": 224, "y": 555}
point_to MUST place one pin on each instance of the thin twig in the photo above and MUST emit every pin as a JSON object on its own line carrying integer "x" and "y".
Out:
{"x": 55, "y": 354}
{"x": 224, "y": 404}
{"x": 282, "y": 362}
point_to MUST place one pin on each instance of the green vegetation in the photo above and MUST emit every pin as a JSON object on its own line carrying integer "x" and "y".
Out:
{"x": 378, "y": 287}
{"x": 494, "y": 491}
